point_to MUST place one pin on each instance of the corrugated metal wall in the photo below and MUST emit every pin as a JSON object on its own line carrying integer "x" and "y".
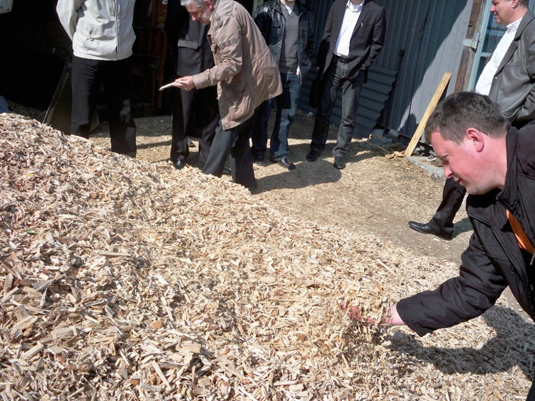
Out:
{"x": 430, "y": 34}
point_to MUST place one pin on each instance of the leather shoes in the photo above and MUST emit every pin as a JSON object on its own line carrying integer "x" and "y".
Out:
{"x": 427, "y": 229}
{"x": 313, "y": 155}
{"x": 284, "y": 162}
{"x": 179, "y": 164}
{"x": 339, "y": 163}
{"x": 227, "y": 171}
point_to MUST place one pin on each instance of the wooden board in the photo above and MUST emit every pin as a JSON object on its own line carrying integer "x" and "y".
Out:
{"x": 434, "y": 101}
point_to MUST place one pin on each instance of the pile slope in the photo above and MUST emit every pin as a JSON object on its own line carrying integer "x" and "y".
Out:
{"x": 127, "y": 280}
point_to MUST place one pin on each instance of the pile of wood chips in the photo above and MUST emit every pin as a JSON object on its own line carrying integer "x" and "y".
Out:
{"x": 129, "y": 280}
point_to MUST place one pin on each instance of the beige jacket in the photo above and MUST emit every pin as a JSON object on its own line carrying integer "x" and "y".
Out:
{"x": 245, "y": 72}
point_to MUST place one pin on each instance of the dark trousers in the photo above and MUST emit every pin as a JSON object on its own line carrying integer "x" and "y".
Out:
{"x": 87, "y": 76}
{"x": 335, "y": 78}
{"x": 452, "y": 199}
{"x": 531, "y": 394}
{"x": 235, "y": 142}
{"x": 195, "y": 113}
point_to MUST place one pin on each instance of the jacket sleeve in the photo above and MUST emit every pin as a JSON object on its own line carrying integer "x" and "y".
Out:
{"x": 227, "y": 48}
{"x": 309, "y": 50}
{"x": 263, "y": 21}
{"x": 378, "y": 38}
{"x": 325, "y": 40}
{"x": 459, "y": 299}
{"x": 68, "y": 14}
{"x": 527, "y": 112}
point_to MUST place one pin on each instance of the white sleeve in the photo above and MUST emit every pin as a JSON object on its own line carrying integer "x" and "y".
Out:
{"x": 68, "y": 14}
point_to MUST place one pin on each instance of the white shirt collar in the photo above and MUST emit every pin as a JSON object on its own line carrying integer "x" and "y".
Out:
{"x": 353, "y": 7}
{"x": 513, "y": 25}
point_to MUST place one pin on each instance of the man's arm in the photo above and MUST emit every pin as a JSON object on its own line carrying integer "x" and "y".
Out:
{"x": 228, "y": 52}
{"x": 263, "y": 21}
{"x": 68, "y": 14}
{"x": 325, "y": 41}
{"x": 378, "y": 38}
{"x": 457, "y": 300}
{"x": 527, "y": 112}
{"x": 309, "y": 50}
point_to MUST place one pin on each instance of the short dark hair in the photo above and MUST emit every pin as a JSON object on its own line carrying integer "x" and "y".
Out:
{"x": 463, "y": 110}
{"x": 524, "y": 3}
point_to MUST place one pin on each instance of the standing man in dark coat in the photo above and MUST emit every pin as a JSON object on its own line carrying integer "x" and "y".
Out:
{"x": 288, "y": 28}
{"x": 509, "y": 79}
{"x": 496, "y": 165}
{"x": 353, "y": 37}
{"x": 195, "y": 112}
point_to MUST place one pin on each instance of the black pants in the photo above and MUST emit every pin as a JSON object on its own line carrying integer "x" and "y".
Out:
{"x": 236, "y": 142}
{"x": 452, "y": 199}
{"x": 87, "y": 76}
{"x": 195, "y": 113}
{"x": 531, "y": 394}
{"x": 335, "y": 78}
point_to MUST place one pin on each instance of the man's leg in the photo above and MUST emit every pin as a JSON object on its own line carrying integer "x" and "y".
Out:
{"x": 117, "y": 76}
{"x": 350, "y": 101}
{"x": 182, "y": 102}
{"x": 209, "y": 116}
{"x": 442, "y": 222}
{"x": 329, "y": 91}
{"x": 85, "y": 87}
{"x": 286, "y": 108}
{"x": 259, "y": 136}
{"x": 219, "y": 151}
{"x": 241, "y": 157}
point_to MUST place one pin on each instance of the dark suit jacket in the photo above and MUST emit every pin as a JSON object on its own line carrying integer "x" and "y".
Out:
{"x": 513, "y": 86}
{"x": 187, "y": 40}
{"x": 367, "y": 40}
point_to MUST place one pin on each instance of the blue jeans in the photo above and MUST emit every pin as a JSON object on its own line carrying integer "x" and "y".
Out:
{"x": 286, "y": 107}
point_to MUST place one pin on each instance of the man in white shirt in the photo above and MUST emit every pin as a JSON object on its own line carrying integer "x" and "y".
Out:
{"x": 353, "y": 37}
{"x": 509, "y": 80}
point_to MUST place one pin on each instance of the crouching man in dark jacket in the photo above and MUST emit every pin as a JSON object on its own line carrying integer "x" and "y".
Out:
{"x": 496, "y": 164}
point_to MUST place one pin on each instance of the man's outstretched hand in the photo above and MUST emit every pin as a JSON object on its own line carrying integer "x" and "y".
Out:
{"x": 354, "y": 313}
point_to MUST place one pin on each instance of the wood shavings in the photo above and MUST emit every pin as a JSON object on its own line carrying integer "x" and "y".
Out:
{"x": 124, "y": 279}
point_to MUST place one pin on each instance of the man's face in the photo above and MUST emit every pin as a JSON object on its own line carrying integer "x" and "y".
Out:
{"x": 201, "y": 14}
{"x": 464, "y": 163}
{"x": 503, "y": 11}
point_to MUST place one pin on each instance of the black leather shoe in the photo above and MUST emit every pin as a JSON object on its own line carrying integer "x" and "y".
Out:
{"x": 179, "y": 164}
{"x": 427, "y": 229}
{"x": 284, "y": 162}
{"x": 227, "y": 171}
{"x": 313, "y": 155}
{"x": 339, "y": 163}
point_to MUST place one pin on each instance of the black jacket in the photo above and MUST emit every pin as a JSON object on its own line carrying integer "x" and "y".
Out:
{"x": 189, "y": 48}
{"x": 271, "y": 22}
{"x": 367, "y": 40}
{"x": 493, "y": 259}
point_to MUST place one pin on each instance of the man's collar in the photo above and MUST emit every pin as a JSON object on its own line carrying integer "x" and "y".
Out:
{"x": 352, "y": 6}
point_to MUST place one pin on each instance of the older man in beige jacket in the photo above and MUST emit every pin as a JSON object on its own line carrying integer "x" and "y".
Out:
{"x": 245, "y": 74}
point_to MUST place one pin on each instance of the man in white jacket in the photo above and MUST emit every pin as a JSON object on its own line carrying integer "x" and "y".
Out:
{"x": 102, "y": 35}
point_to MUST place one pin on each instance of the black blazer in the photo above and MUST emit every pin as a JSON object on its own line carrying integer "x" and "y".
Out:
{"x": 189, "y": 48}
{"x": 367, "y": 40}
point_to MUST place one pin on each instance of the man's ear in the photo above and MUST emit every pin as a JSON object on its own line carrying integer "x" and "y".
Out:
{"x": 476, "y": 138}
{"x": 209, "y": 4}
